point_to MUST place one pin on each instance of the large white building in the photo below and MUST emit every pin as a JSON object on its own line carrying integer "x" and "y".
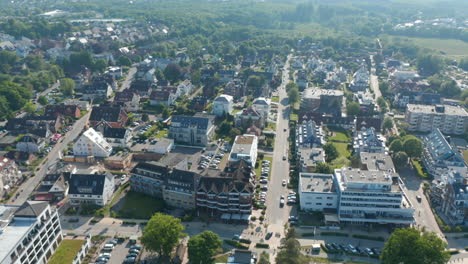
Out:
{"x": 317, "y": 191}
{"x": 244, "y": 148}
{"x": 222, "y": 105}
{"x": 449, "y": 119}
{"x": 262, "y": 105}
{"x": 372, "y": 197}
{"x": 92, "y": 143}
{"x": 91, "y": 188}
{"x": 29, "y": 233}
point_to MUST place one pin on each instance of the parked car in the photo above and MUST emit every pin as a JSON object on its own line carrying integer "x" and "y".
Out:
{"x": 269, "y": 235}
{"x": 283, "y": 183}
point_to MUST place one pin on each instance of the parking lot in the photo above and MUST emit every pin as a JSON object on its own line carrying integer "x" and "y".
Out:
{"x": 119, "y": 251}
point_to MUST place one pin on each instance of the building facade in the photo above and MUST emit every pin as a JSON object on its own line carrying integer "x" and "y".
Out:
{"x": 223, "y": 105}
{"x": 91, "y": 188}
{"x": 92, "y": 143}
{"x": 451, "y": 120}
{"x": 244, "y": 148}
{"x": 192, "y": 130}
{"x": 317, "y": 192}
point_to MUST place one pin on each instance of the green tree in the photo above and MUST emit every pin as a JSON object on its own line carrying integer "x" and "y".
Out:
{"x": 352, "y": 109}
{"x": 400, "y": 159}
{"x": 29, "y": 107}
{"x": 42, "y": 100}
{"x": 293, "y": 95}
{"x": 99, "y": 65}
{"x": 430, "y": 64}
{"x": 412, "y": 146}
{"x": 197, "y": 63}
{"x": 323, "y": 167}
{"x": 144, "y": 117}
{"x": 396, "y": 146}
{"x": 124, "y": 61}
{"x": 291, "y": 251}
{"x": 196, "y": 78}
{"x": 202, "y": 247}
{"x": 161, "y": 234}
{"x": 387, "y": 124}
{"x": 67, "y": 86}
{"x": 410, "y": 245}
{"x": 264, "y": 258}
{"x": 172, "y": 72}
{"x": 331, "y": 152}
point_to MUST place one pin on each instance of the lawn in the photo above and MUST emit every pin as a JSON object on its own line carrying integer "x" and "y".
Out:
{"x": 465, "y": 155}
{"x": 294, "y": 117}
{"x": 419, "y": 170}
{"x": 221, "y": 258}
{"x": 272, "y": 126}
{"x": 139, "y": 206}
{"x": 67, "y": 251}
{"x": 258, "y": 170}
{"x": 342, "y": 149}
{"x": 275, "y": 99}
{"x": 449, "y": 47}
{"x": 161, "y": 133}
{"x": 339, "y": 134}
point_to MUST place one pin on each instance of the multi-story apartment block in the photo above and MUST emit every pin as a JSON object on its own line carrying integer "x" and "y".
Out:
{"x": 322, "y": 100}
{"x": 91, "y": 188}
{"x": 439, "y": 157}
{"x": 179, "y": 189}
{"x": 92, "y": 143}
{"x": 262, "y": 105}
{"x": 244, "y": 148}
{"x": 317, "y": 191}
{"x": 372, "y": 197}
{"x": 30, "y": 233}
{"x": 193, "y": 130}
{"x": 367, "y": 140}
{"x": 449, "y": 119}
{"x": 455, "y": 203}
{"x": 309, "y": 135}
{"x": 149, "y": 178}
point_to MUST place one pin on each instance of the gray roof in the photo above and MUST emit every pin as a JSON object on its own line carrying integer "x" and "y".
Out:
{"x": 31, "y": 209}
{"x": 189, "y": 121}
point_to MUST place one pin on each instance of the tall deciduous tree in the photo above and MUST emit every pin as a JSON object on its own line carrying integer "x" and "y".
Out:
{"x": 293, "y": 95}
{"x": 331, "y": 152}
{"x": 352, "y": 109}
{"x": 400, "y": 159}
{"x": 202, "y": 247}
{"x": 396, "y": 146}
{"x": 323, "y": 167}
{"x": 409, "y": 245}
{"x": 413, "y": 146}
{"x": 387, "y": 124}
{"x": 172, "y": 72}
{"x": 264, "y": 258}
{"x": 162, "y": 233}
{"x": 291, "y": 252}
{"x": 67, "y": 86}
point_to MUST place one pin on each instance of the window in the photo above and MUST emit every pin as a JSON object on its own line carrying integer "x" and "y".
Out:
{"x": 329, "y": 198}
{"x": 329, "y": 204}
{"x": 319, "y": 198}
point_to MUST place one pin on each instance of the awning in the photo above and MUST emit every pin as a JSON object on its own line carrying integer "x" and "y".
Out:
{"x": 44, "y": 197}
{"x": 226, "y": 216}
{"x": 331, "y": 218}
{"x": 236, "y": 217}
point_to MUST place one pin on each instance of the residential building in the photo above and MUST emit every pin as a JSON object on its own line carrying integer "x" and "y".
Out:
{"x": 162, "y": 146}
{"x": 248, "y": 117}
{"x": 226, "y": 76}
{"x": 30, "y": 233}
{"x": 10, "y": 175}
{"x": 365, "y": 99}
{"x": 402, "y": 99}
{"x": 91, "y": 188}
{"x": 142, "y": 87}
{"x": 372, "y": 197}
{"x": 262, "y": 105}
{"x": 72, "y": 111}
{"x": 83, "y": 105}
{"x": 198, "y": 103}
{"x": 129, "y": 100}
{"x": 322, "y": 100}
{"x": 455, "y": 203}
{"x": 165, "y": 98}
{"x": 234, "y": 88}
{"x": 149, "y": 178}
{"x": 244, "y": 148}
{"x": 114, "y": 71}
{"x": 115, "y": 116}
{"x": 241, "y": 257}
{"x": 193, "y": 130}
{"x": 426, "y": 118}
{"x": 223, "y": 105}
{"x": 179, "y": 189}
{"x": 317, "y": 192}
{"x": 41, "y": 126}
{"x": 185, "y": 88}
{"x": 30, "y": 143}
{"x": 309, "y": 135}
{"x": 377, "y": 162}
{"x": 368, "y": 140}
{"x": 439, "y": 157}
{"x": 92, "y": 143}
{"x": 360, "y": 80}
{"x": 117, "y": 137}
{"x": 227, "y": 194}
{"x": 309, "y": 157}
{"x": 53, "y": 187}
{"x": 99, "y": 88}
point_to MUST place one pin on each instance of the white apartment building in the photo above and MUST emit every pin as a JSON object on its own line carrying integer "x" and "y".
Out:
{"x": 262, "y": 105}
{"x": 223, "y": 104}
{"x": 244, "y": 148}
{"x": 317, "y": 191}
{"x": 29, "y": 234}
{"x": 368, "y": 140}
{"x": 372, "y": 197}
{"x": 91, "y": 188}
{"x": 92, "y": 143}
{"x": 449, "y": 119}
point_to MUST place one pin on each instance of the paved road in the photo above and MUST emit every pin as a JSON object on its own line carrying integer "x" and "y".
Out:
{"x": 128, "y": 79}
{"x": 28, "y": 187}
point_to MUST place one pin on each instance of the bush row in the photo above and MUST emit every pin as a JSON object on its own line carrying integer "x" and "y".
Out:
{"x": 236, "y": 244}
{"x": 334, "y": 234}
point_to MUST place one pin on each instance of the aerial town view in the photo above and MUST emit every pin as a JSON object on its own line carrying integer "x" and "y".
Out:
{"x": 233, "y": 131}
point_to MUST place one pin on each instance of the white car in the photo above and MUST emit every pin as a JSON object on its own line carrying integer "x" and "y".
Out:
{"x": 283, "y": 183}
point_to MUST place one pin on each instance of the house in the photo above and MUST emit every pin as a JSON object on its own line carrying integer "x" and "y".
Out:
{"x": 234, "y": 88}
{"x": 92, "y": 143}
{"x": 262, "y": 105}
{"x": 129, "y": 100}
{"x": 10, "y": 175}
{"x": 83, "y": 105}
{"x": 149, "y": 178}
{"x": 23, "y": 227}
{"x": 248, "y": 117}
{"x": 165, "y": 98}
{"x": 53, "y": 187}
{"x": 91, "y": 188}
{"x": 117, "y": 137}
{"x": 226, "y": 76}
{"x": 309, "y": 134}
{"x": 367, "y": 140}
{"x": 241, "y": 257}
{"x": 72, "y": 111}
{"x": 449, "y": 119}
{"x": 99, "y": 88}
{"x": 403, "y": 98}
{"x": 198, "y": 103}
{"x": 41, "y": 126}
{"x": 244, "y": 148}
{"x": 223, "y": 105}
{"x": 185, "y": 88}
{"x": 193, "y": 130}
{"x": 142, "y": 87}
{"x": 114, "y": 71}
{"x": 179, "y": 189}
{"x": 30, "y": 143}
{"x": 365, "y": 101}
{"x": 322, "y": 101}
{"x": 360, "y": 80}
{"x": 115, "y": 116}
{"x": 439, "y": 157}
{"x": 162, "y": 146}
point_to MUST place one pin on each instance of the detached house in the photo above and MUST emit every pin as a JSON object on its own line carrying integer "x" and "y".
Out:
{"x": 30, "y": 143}
{"x": 99, "y": 88}
{"x": 166, "y": 98}
{"x": 129, "y": 100}
{"x": 222, "y": 105}
{"x": 115, "y": 116}
{"x": 249, "y": 117}
{"x": 91, "y": 188}
{"x": 92, "y": 143}
{"x": 117, "y": 137}
{"x": 142, "y": 87}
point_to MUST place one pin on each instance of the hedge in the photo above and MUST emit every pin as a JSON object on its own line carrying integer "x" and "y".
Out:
{"x": 379, "y": 238}
{"x": 334, "y": 234}
{"x": 245, "y": 241}
{"x": 236, "y": 244}
{"x": 308, "y": 234}
{"x": 262, "y": 245}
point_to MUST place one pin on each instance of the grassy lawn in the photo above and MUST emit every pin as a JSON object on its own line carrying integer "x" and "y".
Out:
{"x": 465, "y": 155}
{"x": 139, "y": 206}
{"x": 342, "y": 149}
{"x": 275, "y": 99}
{"x": 294, "y": 117}
{"x": 449, "y": 47}
{"x": 258, "y": 170}
{"x": 272, "y": 126}
{"x": 221, "y": 258}
{"x": 419, "y": 169}
{"x": 339, "y": 134}
{"x": 66, "y": 252}
{"x": 161, "y": 134}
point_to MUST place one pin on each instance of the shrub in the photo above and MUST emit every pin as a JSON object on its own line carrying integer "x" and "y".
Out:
{"x": 262, "y": 245}
{"x": 245, "y": 241}
{"x": 308, "y": 234}
{"x": 70, "y": 211}
{"x": 253, "y": 218}
{"x": 261, "y": 218}
{"x": 236, "y": 244}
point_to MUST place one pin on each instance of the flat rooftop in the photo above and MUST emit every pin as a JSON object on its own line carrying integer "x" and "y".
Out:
{"x": 366, "y": 176}
{"x": 377, "y": 161}
{"x": 243, "y": 144}
{"x": 437, "y": 109}
{"x": 316, "y": 92}
{"x": 12, "y": 232}
{"x": 317, "y": 182}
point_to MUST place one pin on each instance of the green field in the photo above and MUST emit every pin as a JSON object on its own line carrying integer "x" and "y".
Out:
{"x": 340, "y": 134}
{"x": 452, "y": 48}
{"x": 67, "y": 251}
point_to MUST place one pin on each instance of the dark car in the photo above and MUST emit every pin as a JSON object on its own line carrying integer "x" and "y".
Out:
{"x": 268, "y": 235}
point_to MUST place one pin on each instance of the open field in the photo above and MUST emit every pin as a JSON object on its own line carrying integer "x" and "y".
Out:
{"x": 67, "y": 251}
